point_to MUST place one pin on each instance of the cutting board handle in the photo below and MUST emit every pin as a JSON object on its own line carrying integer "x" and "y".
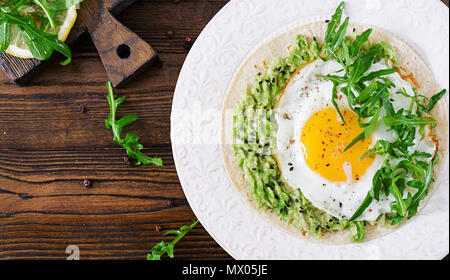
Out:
{"x": 122, "y": 52}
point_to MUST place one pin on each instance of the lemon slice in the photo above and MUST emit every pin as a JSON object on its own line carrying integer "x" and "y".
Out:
{"x": 19, "y": 48}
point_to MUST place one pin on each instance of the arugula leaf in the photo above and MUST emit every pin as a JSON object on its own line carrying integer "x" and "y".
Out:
{"x": 367, "y": 130}
{"x": 343, "y": 56}
{"x": 367, "y": 93}
{"x": 381, "y": 147}
{"x": 131, "y": 141}
{"x": 407, "y": 166}
{"x": 339, "y": 37}
{"x": 417, "y": 154}
{"x": 377, "y": 74}
{"x": 167, "y": 248}
{"x": 43, "y": 4}
{"x": 5, "y": 29}
{"x": 408, "y": 120}
{"x": 334, "y": 78}
{"x": 359, "y": 41}
{"x": 400, "y": 205}
{"x": 362, "y": 207}
{"x": 428, "y": 104}
{"x": 379, "y": 181}
{"x": 433, "y": 101}
{"x": 422, "y": 189}
{"x": 333, "y": 100}
{"x": 334, "y": 22}
{"x": 360, "y": 66}
{"x": 387, "y": 105}
{"x": 358, "y": 231}
{"x": 358, "y": 138}
{"x": 41, "y": 44}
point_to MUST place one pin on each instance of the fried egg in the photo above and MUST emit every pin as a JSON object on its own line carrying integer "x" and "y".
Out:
{"x": 311, "y": 138}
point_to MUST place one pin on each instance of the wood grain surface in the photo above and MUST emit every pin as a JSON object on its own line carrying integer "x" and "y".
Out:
{"x": 53, "y": 136}
{"x": 122, "y": 52}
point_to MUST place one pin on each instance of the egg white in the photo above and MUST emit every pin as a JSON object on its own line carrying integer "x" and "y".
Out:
{"x": 306, "y": 94}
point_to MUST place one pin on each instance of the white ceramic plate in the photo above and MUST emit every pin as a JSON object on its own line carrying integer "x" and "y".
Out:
{"x": 231, "y": 35}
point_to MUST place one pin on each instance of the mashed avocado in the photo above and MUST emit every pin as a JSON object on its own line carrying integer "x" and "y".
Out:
{"x": 255, "y": 130}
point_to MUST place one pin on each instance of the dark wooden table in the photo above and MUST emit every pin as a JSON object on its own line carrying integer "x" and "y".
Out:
{"x": 53, "y": 136}
{"x": 49, "y": 144}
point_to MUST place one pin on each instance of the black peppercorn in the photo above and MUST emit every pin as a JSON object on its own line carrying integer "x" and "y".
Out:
{"x": 87, "y": 183}
{"x": 127, "y": 160}
{"x": 170, "y": 34}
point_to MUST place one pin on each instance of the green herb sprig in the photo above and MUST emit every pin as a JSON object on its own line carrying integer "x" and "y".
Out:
{"x": 41, "y": 44}
{"x": 355, "y": 65}
{"x": 167, "y": 248}
{"x": 367, "y": 95}
{"x": 131, "y": 141}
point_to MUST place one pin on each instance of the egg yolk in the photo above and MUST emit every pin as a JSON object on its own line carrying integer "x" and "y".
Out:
{"x": 324, "y": 138}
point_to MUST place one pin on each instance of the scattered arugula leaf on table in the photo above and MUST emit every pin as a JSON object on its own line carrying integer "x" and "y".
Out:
{"x": 167, "y": 248}
{"x": 131, "y": 141}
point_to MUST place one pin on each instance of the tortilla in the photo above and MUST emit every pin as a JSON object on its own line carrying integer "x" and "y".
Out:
{"x": 278, "y": 45}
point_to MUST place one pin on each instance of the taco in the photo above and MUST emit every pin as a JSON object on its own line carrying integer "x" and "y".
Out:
{"x": 335, "y": 132}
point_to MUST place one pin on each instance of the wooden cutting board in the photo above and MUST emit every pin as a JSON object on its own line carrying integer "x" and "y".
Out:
{"x": 122, "y": 52}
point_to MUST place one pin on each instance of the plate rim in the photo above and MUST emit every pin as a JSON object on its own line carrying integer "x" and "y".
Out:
{"x": 177, "y": 90}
